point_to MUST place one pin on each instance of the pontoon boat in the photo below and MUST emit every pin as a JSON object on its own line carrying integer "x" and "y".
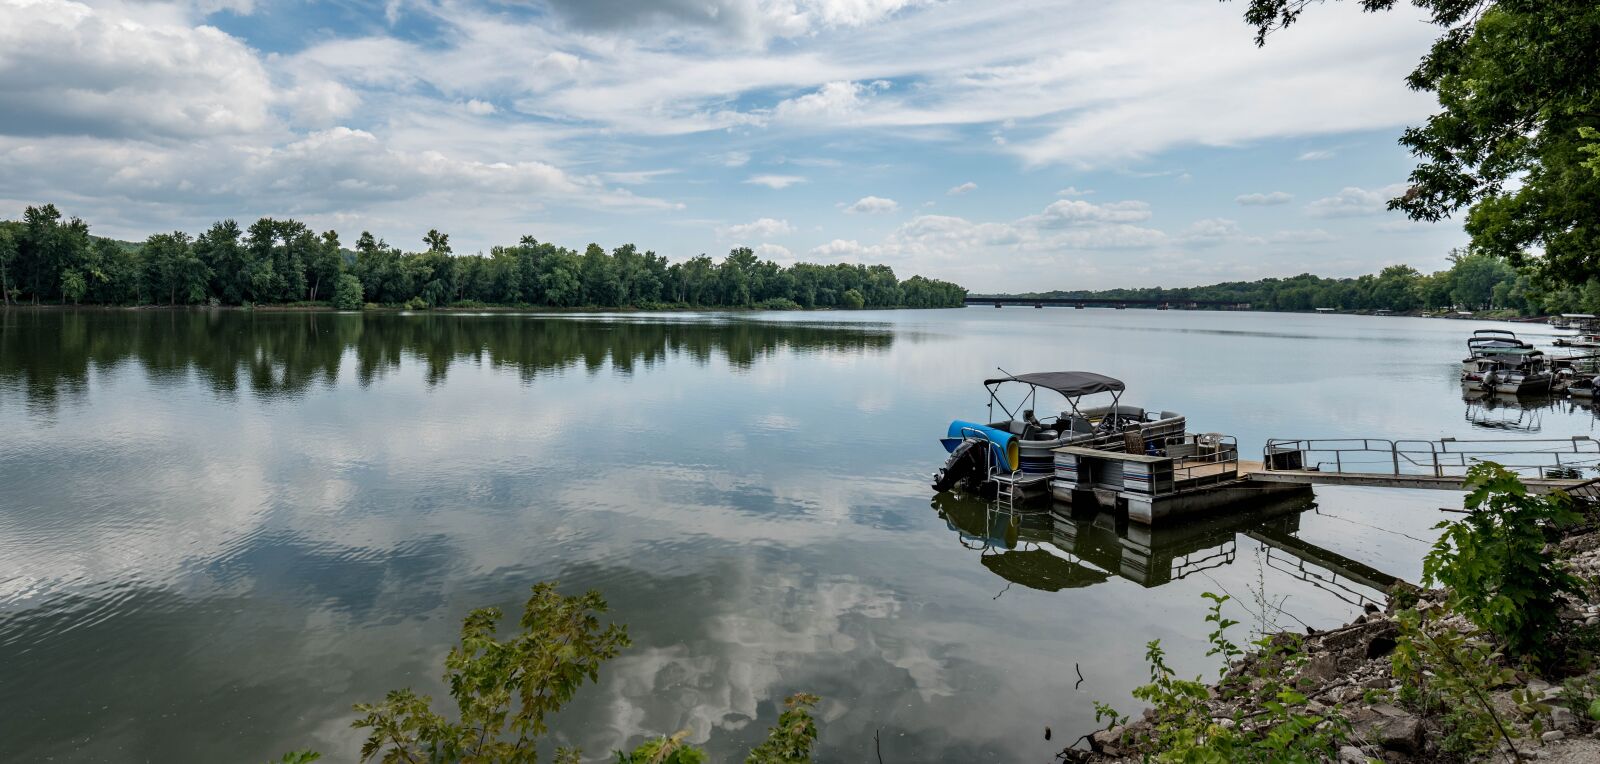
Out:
{"x": 1499, "y": 362}
{"x": 1012, "y": 456}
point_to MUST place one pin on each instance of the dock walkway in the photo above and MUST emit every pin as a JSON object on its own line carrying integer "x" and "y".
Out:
{"x": 1379, "y": 480}
{"x": 1545, "y": 465}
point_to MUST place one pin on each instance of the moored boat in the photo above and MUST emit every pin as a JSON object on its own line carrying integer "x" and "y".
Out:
{"x": 1498, "y": 362}
{"x": 1012, "y": 455}
{"x": 1583, "y": 387}
{"x": 1580, "y": 341}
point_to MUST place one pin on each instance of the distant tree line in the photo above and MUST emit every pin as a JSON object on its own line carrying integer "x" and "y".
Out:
{"x": 1473, "y": 282}
{"x": 45, "y": 258}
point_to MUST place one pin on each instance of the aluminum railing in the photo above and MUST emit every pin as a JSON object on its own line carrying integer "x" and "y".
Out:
{"x": 1447, "y": 457}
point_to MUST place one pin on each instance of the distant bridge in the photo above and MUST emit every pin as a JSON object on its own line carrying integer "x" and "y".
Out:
{"x": 1101, "y": 302}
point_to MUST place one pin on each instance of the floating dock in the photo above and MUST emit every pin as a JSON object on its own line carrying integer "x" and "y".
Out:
{"x": 1204, "y": 473}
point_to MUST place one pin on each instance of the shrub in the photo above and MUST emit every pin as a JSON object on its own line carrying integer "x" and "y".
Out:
{"x": 778, "y": 303}
{"x": 853, "y": 300}
{"x": 1182, "y": 729}
{"x": 1495, "y": 561}
{"x": 1442, "y": 670}
{"x": 347, "y": 293}
{"x": 416, "y": 303}
{"x": 506, "y": 689}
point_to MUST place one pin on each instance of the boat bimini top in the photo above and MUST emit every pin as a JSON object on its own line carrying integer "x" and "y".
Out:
{"x": 1071, "y": 385}
{"x": 1490, "y": 341}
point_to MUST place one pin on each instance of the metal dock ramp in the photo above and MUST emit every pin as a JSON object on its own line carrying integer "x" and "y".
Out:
{"x": 1544, "y": 464}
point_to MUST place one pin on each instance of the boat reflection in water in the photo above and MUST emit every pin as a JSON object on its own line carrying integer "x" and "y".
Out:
{"x": 1051, "y": 550}
{"x": 1513, "y": 413}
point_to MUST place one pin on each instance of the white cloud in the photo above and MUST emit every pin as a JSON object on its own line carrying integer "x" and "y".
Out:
{"x": 1316, "y": 155}
{"x": 1264, "y": 200}
{"x": 872, "y": 205}
{"x": 480, "y": 108}
{"x": 1310, "y": 236}
{"x": 763, "y": 228}
{"x": 774, "y": 252}
{"x": 750, "y": 22}
{"x": 67, "y": 68}
{"x": 1354, "y": 202}
{"x": 846, "y": 249}
{"x": 962, "y": 189}
{"x": 736, "y": 159}
{"x": 831, "y": 102}
{"x": 1067, "y": 212}
{"x": 1073, "y": 192}
{"x": 1405, "y": 225}
{"x": 775, "y": 181}
{"x": 1212, "y": 231}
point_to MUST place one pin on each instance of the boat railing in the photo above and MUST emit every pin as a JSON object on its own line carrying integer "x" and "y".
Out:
{"x": 1214, "y": 460}
{"x": 1447, "y": 457}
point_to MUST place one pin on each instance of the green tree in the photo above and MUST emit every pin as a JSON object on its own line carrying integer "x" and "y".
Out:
{"x": 602, "y": 285}
{"x": 1518, "y": 84}
{"x": 73, "y": 285}
{"x": 437, "y": 242}
{"x": 324, "y": 263}
{"x": 173, "y": 270}
{"x": 853, "y": 300}
{"x": 1497, "y": 565}
{"x": 1474, "y": 279}
{"x": 347, "y": 292}
{"x": 8, "y": 254}
{"x": 219, "y": 248}
{"x": 1398, "y": 287}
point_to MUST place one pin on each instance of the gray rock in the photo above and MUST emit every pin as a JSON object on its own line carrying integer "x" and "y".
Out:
{"x": 1562, "y": 718}
{"x": 1321, "y": 668}
{"x": 1389, "y": 727}
{"x": 1552, "y": 736}
{"x": 1107, "y": 741}
{"x": 1351, "y": 755}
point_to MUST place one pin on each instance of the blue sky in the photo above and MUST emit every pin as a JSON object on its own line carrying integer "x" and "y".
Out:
{"x": 1004, "y": 145}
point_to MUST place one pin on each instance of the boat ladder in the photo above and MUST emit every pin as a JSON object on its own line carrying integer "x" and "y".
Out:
{"x": 1005, "y": 492}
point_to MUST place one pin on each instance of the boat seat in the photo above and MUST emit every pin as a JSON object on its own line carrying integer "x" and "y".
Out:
{"x": 1079, "y": 425}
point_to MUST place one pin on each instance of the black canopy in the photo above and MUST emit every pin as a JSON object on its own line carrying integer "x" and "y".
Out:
{"x": 1068, "y": 383}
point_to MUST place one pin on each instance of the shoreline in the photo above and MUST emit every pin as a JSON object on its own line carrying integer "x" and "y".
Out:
{"x": 1347, "y": 677}
{"x": 675, "y": 308}
{"x": 451, "y": 309}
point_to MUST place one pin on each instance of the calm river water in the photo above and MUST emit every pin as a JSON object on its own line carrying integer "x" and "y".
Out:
{"x": 220, "y": 530}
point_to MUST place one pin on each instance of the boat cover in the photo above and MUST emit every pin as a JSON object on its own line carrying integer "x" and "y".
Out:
{"x": 1005, "y": 453}
{"x": 1068, "y": 383}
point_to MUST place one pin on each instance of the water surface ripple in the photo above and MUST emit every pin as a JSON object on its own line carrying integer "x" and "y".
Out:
{"x": 218, "y": 530}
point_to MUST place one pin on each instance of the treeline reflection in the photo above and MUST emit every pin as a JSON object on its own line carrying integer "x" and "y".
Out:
{"x": 49, "y": 356}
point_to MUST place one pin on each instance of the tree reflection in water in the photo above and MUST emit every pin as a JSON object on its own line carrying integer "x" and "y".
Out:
{"x": 48, "y": 355}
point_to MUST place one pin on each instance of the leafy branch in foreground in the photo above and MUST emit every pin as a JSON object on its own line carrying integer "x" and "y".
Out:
{"x": 1182, "y": 728}
{"x": 1497, "y": 564}
{"x": 506, "y": 690}
{"x": 1512, "y": 140}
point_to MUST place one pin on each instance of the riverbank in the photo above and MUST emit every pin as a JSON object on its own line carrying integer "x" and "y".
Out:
{"x": 1371, "y": 690}
{"x": 459, "y": 308}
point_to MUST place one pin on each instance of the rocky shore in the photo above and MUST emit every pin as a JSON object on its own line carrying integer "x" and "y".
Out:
{"x": 1347, "y": 677}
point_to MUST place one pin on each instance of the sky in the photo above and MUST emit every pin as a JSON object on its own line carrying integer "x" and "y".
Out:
{"x": 1005, "y": 145}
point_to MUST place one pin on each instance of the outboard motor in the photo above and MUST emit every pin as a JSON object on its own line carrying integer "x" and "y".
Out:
{"x": 967, "y": 461}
